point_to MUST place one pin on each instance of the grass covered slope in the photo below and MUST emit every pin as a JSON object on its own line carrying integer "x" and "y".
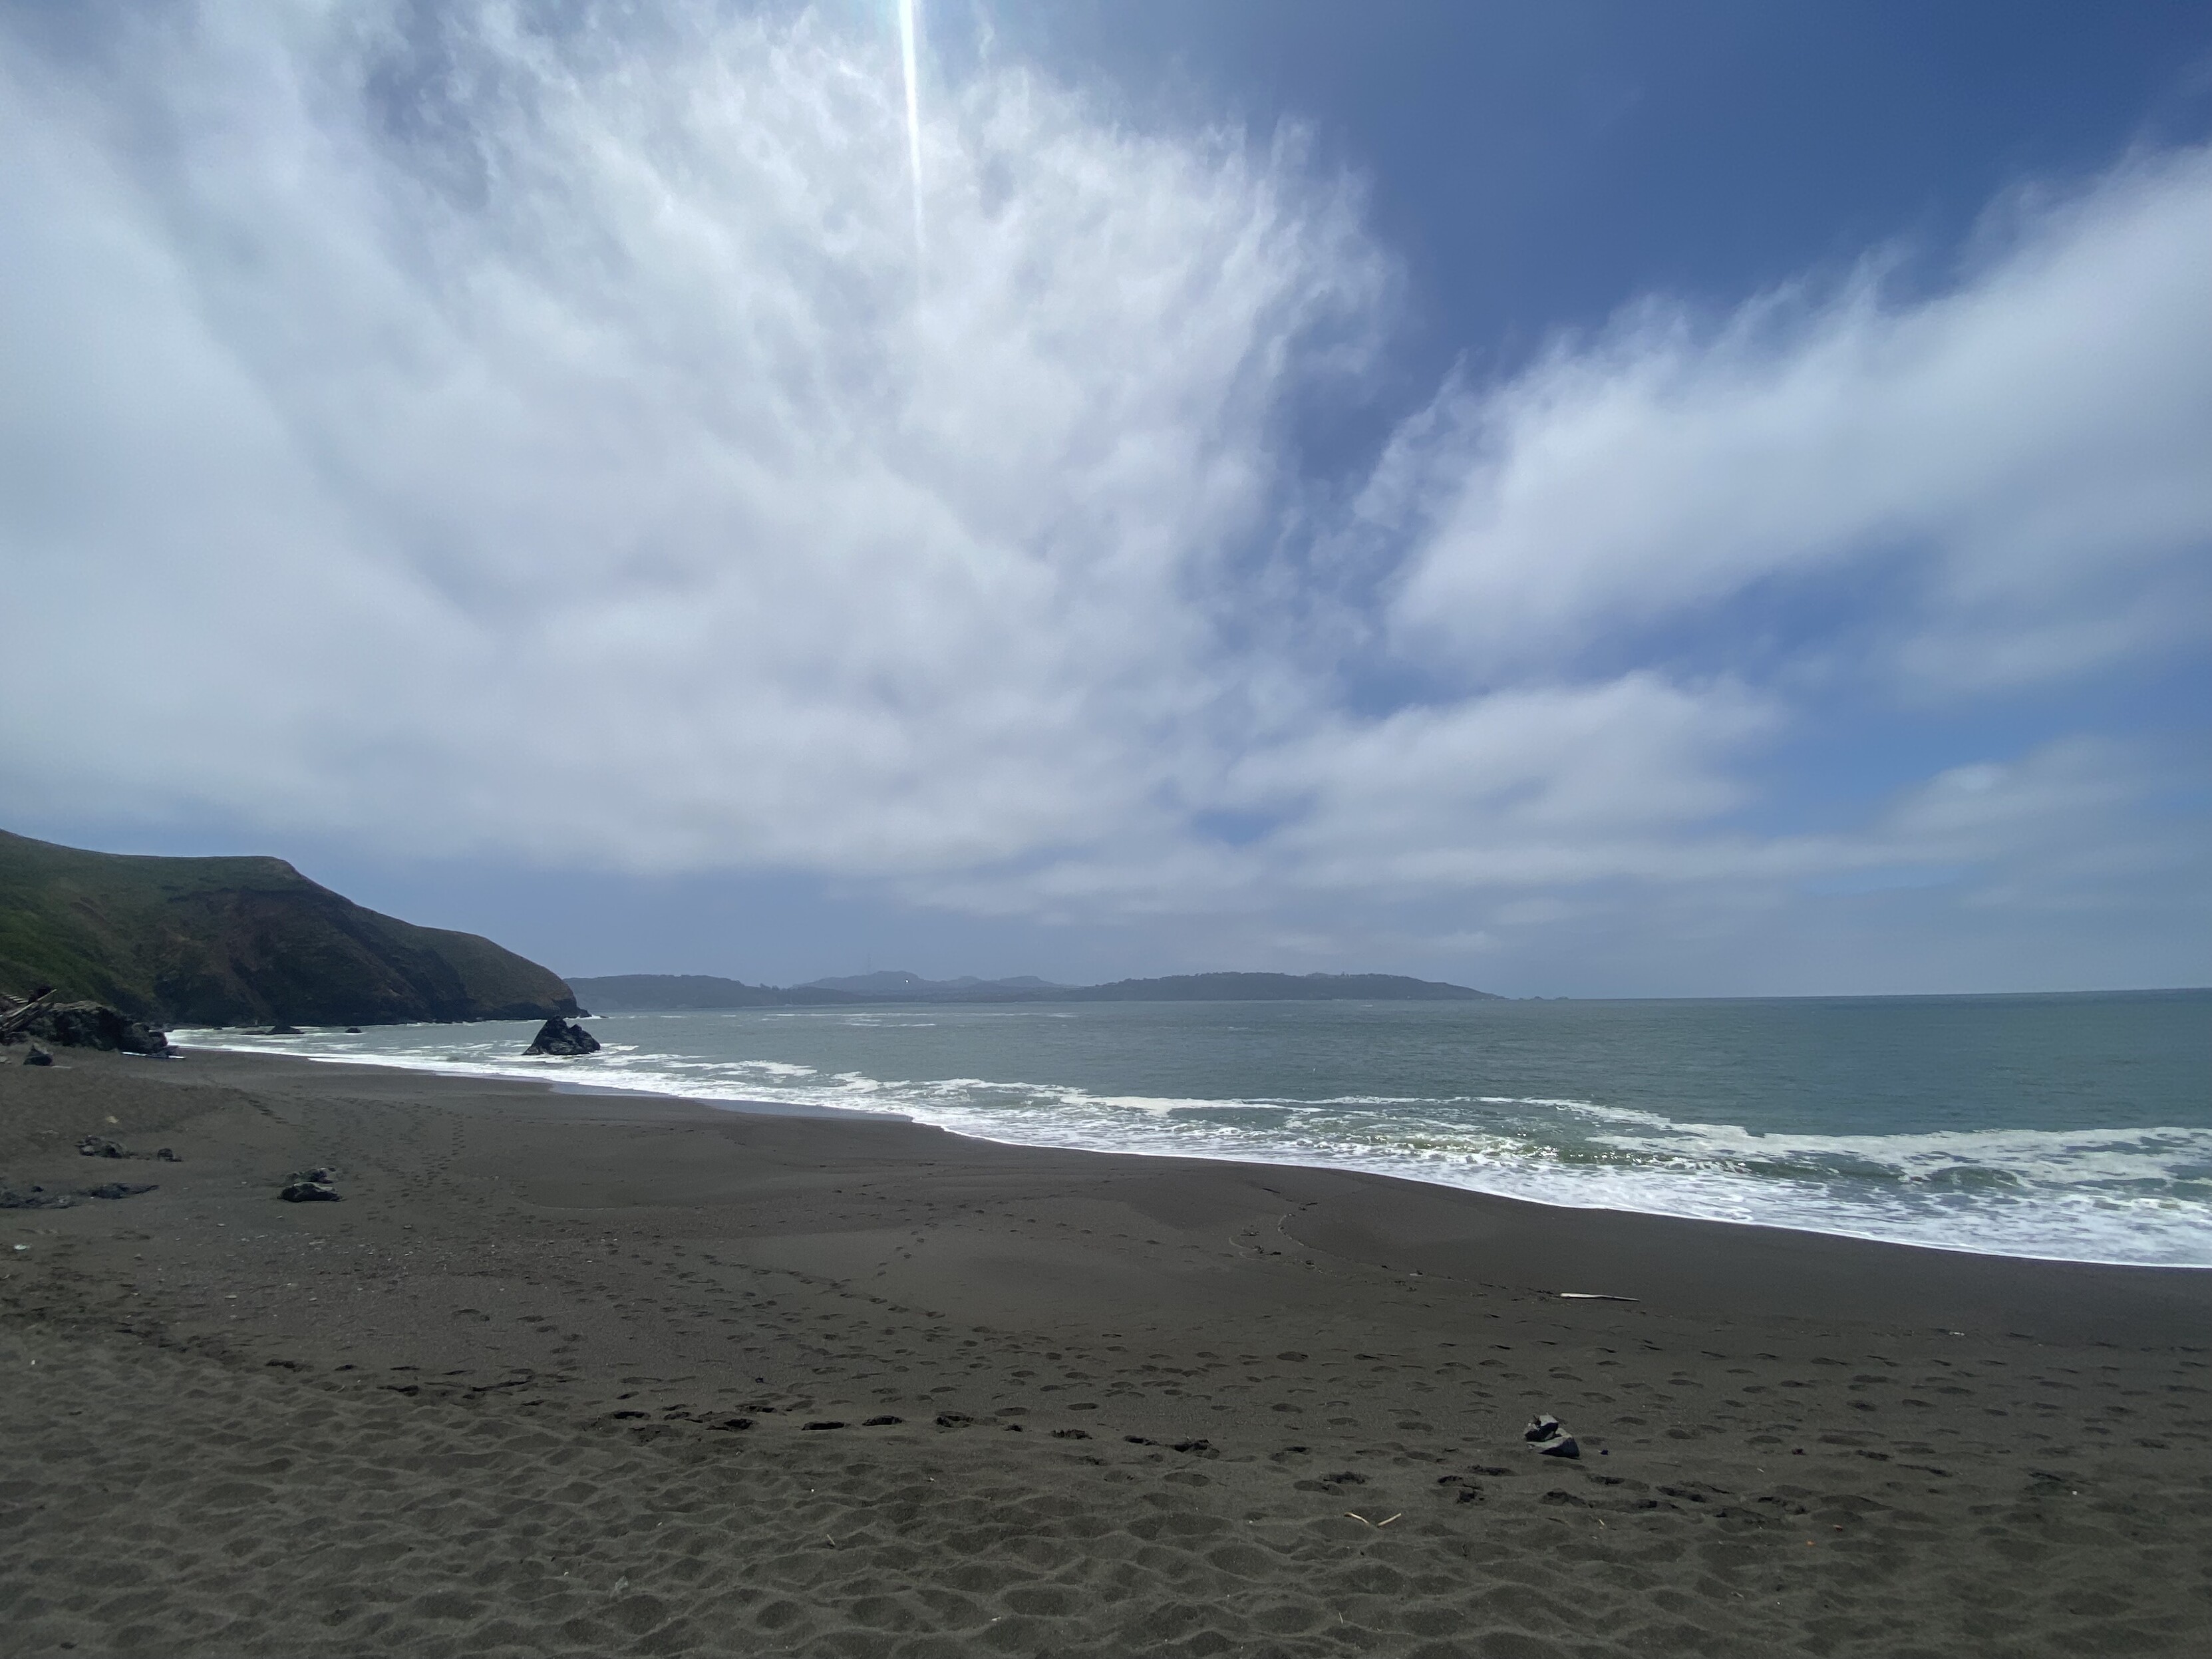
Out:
{"x": 241, "y": 941}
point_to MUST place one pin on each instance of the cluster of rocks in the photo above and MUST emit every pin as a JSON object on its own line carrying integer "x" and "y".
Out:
{"x": 309, "y": 1186}
{"x": 100, "y": 1147}
{"x": 1549, "y": 1439}
{"x": 563, "y": 1038}
{"x": 76, "y": 1025}
{"x": 38, "y": 1198}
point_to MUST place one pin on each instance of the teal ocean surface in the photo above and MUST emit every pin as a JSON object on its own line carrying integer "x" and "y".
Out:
{"x": 2076, "y": 1127}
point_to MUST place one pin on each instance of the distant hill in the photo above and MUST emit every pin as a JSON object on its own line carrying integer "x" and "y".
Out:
{"x": 242, "y": 941}
{"x": 676, "y": 993}
{"x": 672, "y": 994}
{"x": 893, "y": 982}
{"x": 646, "y": 993}
{"x": 1277, "y": 987}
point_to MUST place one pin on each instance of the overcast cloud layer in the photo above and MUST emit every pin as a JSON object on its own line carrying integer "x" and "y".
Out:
{"x": 468, "y": 442}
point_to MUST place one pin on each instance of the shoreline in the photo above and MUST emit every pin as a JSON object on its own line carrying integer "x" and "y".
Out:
{"x": 570, "y": 1372}
{"x": 810, "y": 1109}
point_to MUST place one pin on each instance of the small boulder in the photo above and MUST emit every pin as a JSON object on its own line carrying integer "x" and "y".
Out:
{"x": 167, "y": 1155}
{"x": 309, "y": 1192}
{"x": 38, "y": 1056}
{"x": 1550, "y": 1439}
{"x": 563, "y": 1038}
{"x": 280, "y": 1029}
{"x": 96, "y": 1147}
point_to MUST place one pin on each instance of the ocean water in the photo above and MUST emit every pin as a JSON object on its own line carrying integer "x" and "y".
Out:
{"x": 2076, "y": 1128}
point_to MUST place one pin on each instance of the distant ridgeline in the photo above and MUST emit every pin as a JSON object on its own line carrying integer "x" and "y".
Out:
{"x": 241, "y": 941}
{"x": 678, "y": 993}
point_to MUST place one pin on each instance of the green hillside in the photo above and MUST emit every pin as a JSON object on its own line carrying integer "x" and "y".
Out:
{"x": 241, "y": 941}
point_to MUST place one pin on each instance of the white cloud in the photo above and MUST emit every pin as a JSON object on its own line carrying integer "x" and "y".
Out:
{"x": 1550, "y": 784}
{"x": 2029, "y": 446}
{"x": 460, "y": 438}
{"x": 581, "y": 473}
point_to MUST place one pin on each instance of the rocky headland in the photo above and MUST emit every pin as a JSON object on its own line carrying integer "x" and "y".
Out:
{"x": 164, "y": 942}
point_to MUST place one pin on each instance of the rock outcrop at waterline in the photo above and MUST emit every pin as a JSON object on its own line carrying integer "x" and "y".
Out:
{"x": 563, "y": 1038}
{"x": 80, "y": 1026}
{"x": 241, "y": 941}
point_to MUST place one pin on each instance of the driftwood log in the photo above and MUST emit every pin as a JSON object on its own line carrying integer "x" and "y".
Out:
{"x": 15, "y": 1018}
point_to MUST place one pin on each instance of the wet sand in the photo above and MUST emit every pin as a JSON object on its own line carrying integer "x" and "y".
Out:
{"x": 596, "y": 1375}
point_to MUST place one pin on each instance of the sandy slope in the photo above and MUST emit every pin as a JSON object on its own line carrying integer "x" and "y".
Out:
{"x": 550, "y": 1379}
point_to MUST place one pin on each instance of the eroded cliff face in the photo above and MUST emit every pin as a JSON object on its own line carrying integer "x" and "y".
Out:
{"x": 242, "y": 941}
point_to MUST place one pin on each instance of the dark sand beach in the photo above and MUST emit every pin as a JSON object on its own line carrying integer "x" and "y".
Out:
{"x": 579, "y": 1374}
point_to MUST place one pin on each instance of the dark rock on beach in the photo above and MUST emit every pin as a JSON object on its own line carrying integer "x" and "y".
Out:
{"x": 309, "y": 1192}
{"x": 563, "y": 1038}
{"x": 38, "y": 1056}
{"x": 1550, "y": 1439}
{"x": 38, "y": 1198}
{"x": 92, "y": 1025}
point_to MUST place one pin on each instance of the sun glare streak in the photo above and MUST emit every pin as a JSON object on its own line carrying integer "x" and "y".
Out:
{"x": 907, "y": 59}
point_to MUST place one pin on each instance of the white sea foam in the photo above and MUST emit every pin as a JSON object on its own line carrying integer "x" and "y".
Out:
{"x": 2135, "y": 1195}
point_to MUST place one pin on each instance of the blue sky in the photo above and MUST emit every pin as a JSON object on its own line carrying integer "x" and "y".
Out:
{"x": 1588, "y": 499}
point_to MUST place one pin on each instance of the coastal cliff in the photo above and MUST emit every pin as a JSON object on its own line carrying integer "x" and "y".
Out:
{"x": 242, "y": 941}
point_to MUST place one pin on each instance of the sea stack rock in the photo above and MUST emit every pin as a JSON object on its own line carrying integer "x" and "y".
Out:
{"x": 563, "y": 1038}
